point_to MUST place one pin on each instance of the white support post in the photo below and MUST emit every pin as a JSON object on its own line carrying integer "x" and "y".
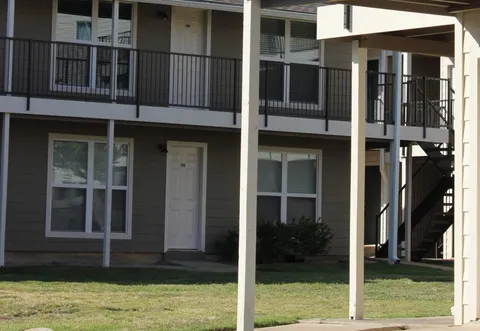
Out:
{"x": 4, "y": 184}
{"x": 395, "y": 160}
{"x": 459, "y": 267}
{"x": 107, "y": 219}
{"x": 408, "y": 205}
{"x": 9, "y": 46}
{"x": 473, "y": 225}
{"x": 248, "y": 166}
{"x": 114, "y": 44}
{"x": 357, "y": 181}
{"x": 384, "y": 166}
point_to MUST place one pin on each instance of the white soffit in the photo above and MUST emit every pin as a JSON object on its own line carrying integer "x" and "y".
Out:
{"x": 365, "y": 20}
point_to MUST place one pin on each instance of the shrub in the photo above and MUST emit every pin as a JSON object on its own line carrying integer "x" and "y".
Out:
{"x": 278, "y": 241}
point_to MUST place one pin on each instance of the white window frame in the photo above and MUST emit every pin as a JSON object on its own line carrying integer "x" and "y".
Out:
{"x": 91, "y": 88}
{"x": 287, "y": 60}
{"x": 284, "y": 195}
{"x": 90, "y": 186}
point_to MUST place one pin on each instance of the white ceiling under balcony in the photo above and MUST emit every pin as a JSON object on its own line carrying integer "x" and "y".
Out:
{"x": 440, "y": 7}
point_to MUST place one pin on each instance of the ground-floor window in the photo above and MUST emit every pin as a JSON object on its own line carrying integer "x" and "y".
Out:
{"x": 288, "y": 185}
{"x": 76, "y": 187}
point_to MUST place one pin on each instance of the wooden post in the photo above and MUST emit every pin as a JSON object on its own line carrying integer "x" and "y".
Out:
{"x": 248, "y": 165}
{"x": 357, "y": 181}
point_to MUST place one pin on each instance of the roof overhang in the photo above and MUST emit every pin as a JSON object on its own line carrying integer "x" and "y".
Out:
{"x": 438, "y": 7}
{"x": 394, "y": 30}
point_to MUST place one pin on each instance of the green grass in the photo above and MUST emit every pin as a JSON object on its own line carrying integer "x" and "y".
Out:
{"x": 88, "y": 299}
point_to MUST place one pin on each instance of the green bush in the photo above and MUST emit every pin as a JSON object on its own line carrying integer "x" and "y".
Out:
{"x": 278, "y": 241}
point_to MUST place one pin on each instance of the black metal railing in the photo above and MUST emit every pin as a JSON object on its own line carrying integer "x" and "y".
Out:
{"x": 427, "y": 102}
{"x": 50, "y": 69}
{"x": 422, "y": 183}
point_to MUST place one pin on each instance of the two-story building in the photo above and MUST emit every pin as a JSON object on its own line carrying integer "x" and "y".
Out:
{"x": 164, "y": 78}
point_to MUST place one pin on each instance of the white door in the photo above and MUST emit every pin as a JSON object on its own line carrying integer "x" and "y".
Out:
{"x": 187, "y": 63}
{"x": 183, "y": 228}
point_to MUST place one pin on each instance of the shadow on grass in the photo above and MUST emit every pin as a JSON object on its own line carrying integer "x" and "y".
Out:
{"x": 266, "y": 274}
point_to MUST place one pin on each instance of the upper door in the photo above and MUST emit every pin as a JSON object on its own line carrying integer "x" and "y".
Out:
{"x": 183, "y": 226}
{"x": 188, "y": 61}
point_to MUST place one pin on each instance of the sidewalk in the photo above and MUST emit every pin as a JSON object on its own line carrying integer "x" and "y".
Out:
{"x": 426, "y": 324}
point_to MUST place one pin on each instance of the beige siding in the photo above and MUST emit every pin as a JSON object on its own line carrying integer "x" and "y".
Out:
{"x": 471, "y": 38}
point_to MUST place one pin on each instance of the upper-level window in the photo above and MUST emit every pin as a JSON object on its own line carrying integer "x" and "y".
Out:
{"x": 290, "y": 55}
{"x": 90, "y": 22}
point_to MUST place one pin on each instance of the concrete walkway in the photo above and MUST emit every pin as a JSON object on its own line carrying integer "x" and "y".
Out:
{"x": 427, "y": 324}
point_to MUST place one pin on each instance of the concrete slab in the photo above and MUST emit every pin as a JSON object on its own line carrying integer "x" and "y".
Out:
{"x": 435, "y": 323}
{"x": 207, "y": 266}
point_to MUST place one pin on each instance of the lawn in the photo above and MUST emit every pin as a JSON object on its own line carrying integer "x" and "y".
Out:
{"x": 67, "y": 298}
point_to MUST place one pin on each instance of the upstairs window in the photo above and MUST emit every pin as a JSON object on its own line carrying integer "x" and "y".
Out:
{"x": 90, "y": 23}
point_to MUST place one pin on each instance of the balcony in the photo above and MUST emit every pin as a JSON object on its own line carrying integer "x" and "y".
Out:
{"x": 72, "y": 71}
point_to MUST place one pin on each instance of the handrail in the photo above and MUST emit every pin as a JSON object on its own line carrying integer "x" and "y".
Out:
{"x": 431, "y": 104}
{"x": 384, "y": 209}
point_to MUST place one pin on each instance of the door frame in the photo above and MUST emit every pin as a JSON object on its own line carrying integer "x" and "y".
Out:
{"x": 202, "y": 192}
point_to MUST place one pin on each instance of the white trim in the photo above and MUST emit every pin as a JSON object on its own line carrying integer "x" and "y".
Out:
{"x": 4, "y": 184}
{"x": 284, "y": 195}
{"x": 203, "y": 150}
{"x": 88, "y": 234}
{"x": 205, "y": 118}
{"x": 307, "y": 17}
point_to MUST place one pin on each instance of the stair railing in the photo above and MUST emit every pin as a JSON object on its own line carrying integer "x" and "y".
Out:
{"x": 383, "y": 212}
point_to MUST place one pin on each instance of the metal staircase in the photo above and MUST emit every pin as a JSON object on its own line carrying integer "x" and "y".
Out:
{"x": 432, "y": 185}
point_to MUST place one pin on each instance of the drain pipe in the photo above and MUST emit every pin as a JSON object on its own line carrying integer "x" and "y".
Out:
{"x": 395, "y": 160}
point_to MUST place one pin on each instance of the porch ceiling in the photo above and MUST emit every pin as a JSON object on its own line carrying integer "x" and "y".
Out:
{"x": 440, "y": 7}
{"x": 434, "y": 41}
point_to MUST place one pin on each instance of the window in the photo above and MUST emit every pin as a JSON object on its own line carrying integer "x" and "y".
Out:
{"x": 76, "y": 187}
{"x": 290, "y": 59}
{"x": 90, "y": 22}
{"x": 288, "y": 185}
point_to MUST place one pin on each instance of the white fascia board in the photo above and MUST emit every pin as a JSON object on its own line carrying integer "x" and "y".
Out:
{"x": 365, "y": 20}
{"x": 233, "y": 8}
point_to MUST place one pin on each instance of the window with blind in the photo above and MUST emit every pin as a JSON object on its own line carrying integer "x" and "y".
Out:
{"x": 288, "y": 185}
{"x": 290, "y": 53}
{"x": 76, "y": 198}
{"x": 90, "y": 23}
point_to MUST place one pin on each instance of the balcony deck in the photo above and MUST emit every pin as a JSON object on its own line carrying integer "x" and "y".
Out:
{"x": 81, "y": 72}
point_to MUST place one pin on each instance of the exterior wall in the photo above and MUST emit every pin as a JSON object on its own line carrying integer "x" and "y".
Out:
{"x": 28, "y": 173}
{"x": 428, "y": 66}
{"x": 467, "y": 286}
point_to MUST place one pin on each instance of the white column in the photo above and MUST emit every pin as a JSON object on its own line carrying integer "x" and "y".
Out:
{"x": 395, "y": 160}
{"x": 114, "y": 44}
{"x": 473, "y": 226}
{"x": 458, "y": 185}
{"x": 9, "y": 45}
{"x": 107, "y": 219}
{"x": 384, "y": 171}
{"x": 4, "y": 184}
{"x": 248, "y": 165}
{"x": 408, "y": 205}
{"x": 357, "y": 181}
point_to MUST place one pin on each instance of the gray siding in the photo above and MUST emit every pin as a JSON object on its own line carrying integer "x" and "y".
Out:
{"x": 28, "y": 171}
